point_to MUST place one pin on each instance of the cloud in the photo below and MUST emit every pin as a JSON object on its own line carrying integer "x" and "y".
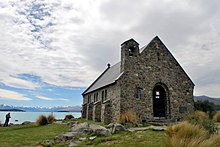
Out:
{"x": 51, "y": 99}
{"x": 69, "y": 43}
{"x": 7, "y": 94}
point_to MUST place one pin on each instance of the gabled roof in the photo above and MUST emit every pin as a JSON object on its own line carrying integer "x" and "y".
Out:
{"x": 109, "y": 76}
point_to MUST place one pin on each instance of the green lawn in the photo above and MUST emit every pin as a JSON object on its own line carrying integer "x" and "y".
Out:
{"x": 29, "y": 135}
{"x": 146, "y": 138}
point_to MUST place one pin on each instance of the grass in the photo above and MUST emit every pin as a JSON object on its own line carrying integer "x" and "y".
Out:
{"x": 146, "y": 138}
{"x": 185, "y": 134}
{"x": 29, "y": 135}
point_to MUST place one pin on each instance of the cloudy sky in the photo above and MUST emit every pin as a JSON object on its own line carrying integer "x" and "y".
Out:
{"x": 50, "y": 50}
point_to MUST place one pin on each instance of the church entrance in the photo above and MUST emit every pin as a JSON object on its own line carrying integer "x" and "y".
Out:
{"x": 159, "y": 98}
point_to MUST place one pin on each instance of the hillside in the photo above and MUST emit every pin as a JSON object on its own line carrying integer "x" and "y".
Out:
{"x": 216, "y": 101}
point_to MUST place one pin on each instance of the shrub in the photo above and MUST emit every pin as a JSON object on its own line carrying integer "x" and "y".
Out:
{"x": 68, "y": 117}
{"x": 42, "y": 120}
{"x": 50, "y": 119}
{"x": 203, "y": 121}
{"x": 217, "y": 117}
{"x": 128, "y": 117}
{"x": 205, "y": 106}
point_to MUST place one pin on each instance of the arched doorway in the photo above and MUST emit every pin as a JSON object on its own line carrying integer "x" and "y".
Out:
{"x": 159, "y": 101}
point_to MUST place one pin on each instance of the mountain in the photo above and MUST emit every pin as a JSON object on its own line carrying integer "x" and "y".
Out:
{"x": 4, "y": 107}
{"x": 216, "y": 101}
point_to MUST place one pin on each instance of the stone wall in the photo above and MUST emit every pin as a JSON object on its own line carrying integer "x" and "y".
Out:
{"x": 106, "y": 110}
{"x": 155, "y": 65}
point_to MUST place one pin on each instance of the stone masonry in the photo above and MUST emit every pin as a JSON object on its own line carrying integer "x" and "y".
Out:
{"x": 149, "y": 81}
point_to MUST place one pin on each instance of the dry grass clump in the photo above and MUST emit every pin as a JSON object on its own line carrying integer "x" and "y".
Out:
{"x": 216, "y": 117}
{"x": 42, "y": 120}
{"x": 50, "y": 119}
{"x": 128, "y": 117}
{"x": 189, "y": 135}
{"x": 201, "y": 114}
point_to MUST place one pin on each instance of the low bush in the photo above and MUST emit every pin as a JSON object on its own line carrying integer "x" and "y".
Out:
{"x": 128, "y": 117}
{"x": 50, "y": 119}
{"x": 68, "y": 117}
{"x": 217, "y": 117}
{"x": 42, "y": 120}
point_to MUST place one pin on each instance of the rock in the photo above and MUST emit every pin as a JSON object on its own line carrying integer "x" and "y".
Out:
{"x": 48, "y": 143}
{"x": 159, "y": 128}
{"x": 117, "y": 128}
{"x": 74, "y": 143}
{"x": 81, "y": 129}
{"x": 92, "y": 137}
{"x": 110, "y": 125}
{"x": 86, "y": 129}
{"x": 99, "y": 130}
{"x": 26, "y": 122}
{"x": 82, "y": 139}
{"x": 65, "y": 137}
{"x": 68, "y": 117}
{"x": 72, "y": 123}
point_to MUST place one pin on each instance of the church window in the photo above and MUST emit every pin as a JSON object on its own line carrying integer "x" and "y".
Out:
{"x": 131, "y": 51}
{"x": 102, "y": 96}
{"x": 138, "y": 92}
{"x": 105, "y": 94}
{"x": 96, "y": 96}
{"x": 89, "y": 98}
{"x": 157, "y": 94}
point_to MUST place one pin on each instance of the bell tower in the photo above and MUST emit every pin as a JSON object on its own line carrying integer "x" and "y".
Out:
{"x": 129, "y": 50}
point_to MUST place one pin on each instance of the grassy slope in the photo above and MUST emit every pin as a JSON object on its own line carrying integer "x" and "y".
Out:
{"x": 29, "y": 135}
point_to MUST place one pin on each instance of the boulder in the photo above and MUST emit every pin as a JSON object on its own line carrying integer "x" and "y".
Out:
{"x": 74, "y": 143}
{"x": 117, "y": 128}
{"x": 86, "y": 129}
{"x": 99, "y": 130}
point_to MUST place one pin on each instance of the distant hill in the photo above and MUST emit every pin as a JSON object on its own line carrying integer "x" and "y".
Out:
{"x": 4, "y": 107}
{"x": 216, "y": 101}
{"x": 17, "y": 110}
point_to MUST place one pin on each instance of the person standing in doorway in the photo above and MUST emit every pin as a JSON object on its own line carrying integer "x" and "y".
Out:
{"x": 7, "y": 117}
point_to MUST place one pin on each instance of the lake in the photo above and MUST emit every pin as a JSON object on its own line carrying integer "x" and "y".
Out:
{"x": 19, "y": 117}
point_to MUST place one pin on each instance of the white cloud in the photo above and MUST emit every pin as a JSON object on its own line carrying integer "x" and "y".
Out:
{"x": 7, "y": 94}
{"x": 51, "y": 99}
{"x": 69, "y": 43}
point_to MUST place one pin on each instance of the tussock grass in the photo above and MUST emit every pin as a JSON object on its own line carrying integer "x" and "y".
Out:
{"x": 42, "y": 120}
{"x": 202, "y": 119}
{"x": 216, "y": 117}
{"x": 128, "y": 117}
{"x": 189, "y": 135}
{"x": 50, "y": 119}
{"x": 201, "y": 114}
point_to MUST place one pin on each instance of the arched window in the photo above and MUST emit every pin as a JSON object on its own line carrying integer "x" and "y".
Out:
{"x": 131, "y": 51}
{"x": 138, "y": 92}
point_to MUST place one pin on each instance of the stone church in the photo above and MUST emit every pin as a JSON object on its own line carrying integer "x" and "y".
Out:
{"x": 148, "y": 81}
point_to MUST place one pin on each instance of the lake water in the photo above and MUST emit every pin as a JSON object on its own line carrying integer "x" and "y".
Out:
{"x": 19, "y": 117}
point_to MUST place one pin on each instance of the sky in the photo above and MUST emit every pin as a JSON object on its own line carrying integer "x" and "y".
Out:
{"x": 51, "y": 50}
